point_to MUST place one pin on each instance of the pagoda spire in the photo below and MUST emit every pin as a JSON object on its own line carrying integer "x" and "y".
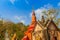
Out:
{"x": 33, "y": 17}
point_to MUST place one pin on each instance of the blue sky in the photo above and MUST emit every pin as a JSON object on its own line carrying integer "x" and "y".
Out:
{"x": 20, "y": 10}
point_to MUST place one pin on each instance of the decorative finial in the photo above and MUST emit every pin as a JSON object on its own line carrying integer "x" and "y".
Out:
{"x": 43, "y": 20}
{"x": 33, "y": 13}
{"x": 33, "y": 16}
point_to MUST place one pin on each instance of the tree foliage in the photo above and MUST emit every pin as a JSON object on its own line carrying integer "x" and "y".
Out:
{"x": 18, "y": 28}
{"x": 52, "y": 14}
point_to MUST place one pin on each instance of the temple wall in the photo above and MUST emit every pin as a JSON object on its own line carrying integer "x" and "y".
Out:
{"x": 37, "y": 34}
{"x": 58, "y": 37}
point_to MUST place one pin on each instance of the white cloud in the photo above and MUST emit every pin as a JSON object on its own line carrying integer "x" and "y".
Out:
{"x": 48, "y": 6}
{"x": 17, "y": 17}
{"x": 59, "y": 4}
{"x": 27, "y": 2}
{"x": 39, "y": 13}
{"x": 12, "y": 1}
{"x": 22, "y": 21}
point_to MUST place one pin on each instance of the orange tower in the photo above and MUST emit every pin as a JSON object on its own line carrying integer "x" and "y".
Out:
{"x": 28, "y": 33}
{"x": 33, "y": 17}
